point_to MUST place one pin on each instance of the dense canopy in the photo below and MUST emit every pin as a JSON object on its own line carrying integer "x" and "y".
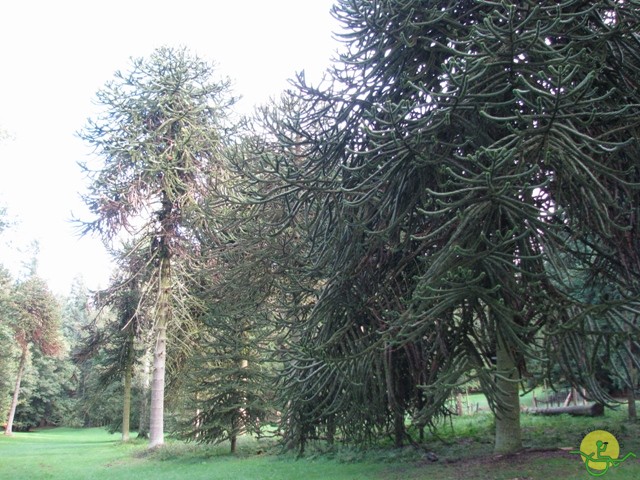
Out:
{"x": 457, "y": 157}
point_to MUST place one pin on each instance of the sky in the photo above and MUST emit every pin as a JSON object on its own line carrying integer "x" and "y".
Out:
{"x": 55, "y": 56}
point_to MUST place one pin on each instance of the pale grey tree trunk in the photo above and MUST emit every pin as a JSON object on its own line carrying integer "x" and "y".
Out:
{"x": 143, "y": 427}
{"x": 126, "y": 404}
{"x": 156, "y": 424}
{"x": 508, "y": 434}
{"x": 16, "y": 392}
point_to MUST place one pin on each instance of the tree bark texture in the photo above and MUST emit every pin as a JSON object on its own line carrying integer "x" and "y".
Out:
{"x": 234, "y": 443}
{"x": 631, "y": 403}
{"x": 508, "y": 434}
{"x": 126, "y": 402}
{"x": 156, "y": 424}
{"x": 143, "y": 427}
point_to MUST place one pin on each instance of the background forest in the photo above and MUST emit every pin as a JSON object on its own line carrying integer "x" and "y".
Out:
{"x": 454, "y": 206}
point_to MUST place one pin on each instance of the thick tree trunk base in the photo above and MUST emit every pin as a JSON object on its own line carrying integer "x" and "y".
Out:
{"x": 398, "y": 427}
{"x": 631, "y": 405}
{"x": 508, "y": 437}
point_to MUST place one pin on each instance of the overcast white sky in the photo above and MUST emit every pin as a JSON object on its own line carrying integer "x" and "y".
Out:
{"x": 55, "y": 55}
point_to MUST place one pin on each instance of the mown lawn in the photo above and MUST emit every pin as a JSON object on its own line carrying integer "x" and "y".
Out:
{"x": 67, "y": 454}
{"x": 463, "y": 449}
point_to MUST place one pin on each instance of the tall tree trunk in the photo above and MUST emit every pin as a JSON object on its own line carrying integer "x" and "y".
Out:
{"x": 331, "y": 429}
{"x": 238, "y": 424}
{"x": 631, "y": 394}
{"x": 459, "y": 411}
{"x": 234, "y": 443}
{"x": 393, "y": 394}
{"x": 631, "y": 402}
{"x": 156, "y": 424}
{"x": 143, "y": 427}
{"x": 126, "y": 404}
{"x": 508, "y": 434}
{"x": 16, "y": 392}
{"x": 398, "y": 427}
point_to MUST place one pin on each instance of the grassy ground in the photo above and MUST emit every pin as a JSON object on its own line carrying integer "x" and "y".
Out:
{"x": 463, "y": 449}
{"x": 70, "y": 454}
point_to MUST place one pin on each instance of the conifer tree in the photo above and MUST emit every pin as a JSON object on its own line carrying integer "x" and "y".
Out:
{"x": 229, "y": 376}
{"x": 160, "y": 137}
{"x": 455, "y": 149}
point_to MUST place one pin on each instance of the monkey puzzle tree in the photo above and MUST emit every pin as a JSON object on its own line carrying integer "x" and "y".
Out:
{"x": 459, "y": 147}
{"x": 160, "y": 135}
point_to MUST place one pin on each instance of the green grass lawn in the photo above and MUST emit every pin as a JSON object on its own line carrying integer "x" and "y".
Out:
{"x": 463, "y": 448}
{"x": 66, "y": 454}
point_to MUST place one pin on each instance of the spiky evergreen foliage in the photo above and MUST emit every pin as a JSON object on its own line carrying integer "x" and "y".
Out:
{"x": 160, "y": 136}
{"x": 230, "y": 383}
{"x": 230, "y": 376}
{"x": 458, "y": 149}
{"x": 602, "y": 351}
{"x": 117, "y": 337}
